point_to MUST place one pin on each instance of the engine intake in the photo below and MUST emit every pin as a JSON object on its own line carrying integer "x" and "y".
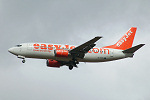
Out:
{"x": 61, "y": 53}
{"x": 53, "y": 63}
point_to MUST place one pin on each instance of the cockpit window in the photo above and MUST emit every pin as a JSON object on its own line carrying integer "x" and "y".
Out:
{"x": 18, "y": 45}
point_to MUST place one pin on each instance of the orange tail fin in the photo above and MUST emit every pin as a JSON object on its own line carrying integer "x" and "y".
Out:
{"x": 126, "y": 41}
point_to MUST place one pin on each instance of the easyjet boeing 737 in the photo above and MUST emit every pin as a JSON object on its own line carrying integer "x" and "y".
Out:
{"x": 58, "y": 55}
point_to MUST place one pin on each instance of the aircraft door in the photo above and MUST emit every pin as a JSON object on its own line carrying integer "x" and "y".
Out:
{"x": 111, "y": 53}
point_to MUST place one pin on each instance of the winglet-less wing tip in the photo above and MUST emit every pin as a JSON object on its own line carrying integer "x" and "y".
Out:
{"x": 98, "y": 37}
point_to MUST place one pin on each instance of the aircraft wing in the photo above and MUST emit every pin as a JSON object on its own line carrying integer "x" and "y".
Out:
{"x": 84, "y": 48}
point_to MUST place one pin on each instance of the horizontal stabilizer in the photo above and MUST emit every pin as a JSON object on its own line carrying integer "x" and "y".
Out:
{"x": 133, "y": 49}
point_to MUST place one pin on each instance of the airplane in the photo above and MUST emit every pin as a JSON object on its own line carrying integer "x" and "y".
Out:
{"x": 57, "y": 55}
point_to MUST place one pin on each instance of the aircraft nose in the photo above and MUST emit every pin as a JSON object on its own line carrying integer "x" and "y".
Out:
{"x": 14, "y": 50}
{"x": 10, "y": 50}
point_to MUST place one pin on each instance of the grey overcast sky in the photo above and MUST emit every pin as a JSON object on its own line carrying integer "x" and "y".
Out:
{"x": 74, "y": 22}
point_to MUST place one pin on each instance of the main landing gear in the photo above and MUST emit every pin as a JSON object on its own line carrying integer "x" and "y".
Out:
{"x": 70, "y": 67}
{"x": 73, "y": 64}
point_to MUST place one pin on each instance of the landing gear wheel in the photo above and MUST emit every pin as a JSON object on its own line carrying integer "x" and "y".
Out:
{"x": 23, "y": 61}
{"x": 76, "y": 62}
{"x": 70, "y": 67}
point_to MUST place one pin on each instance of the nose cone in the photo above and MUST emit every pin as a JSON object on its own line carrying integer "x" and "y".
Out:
{"x": 14, "y": 50}
{"x": 10, "y": 50}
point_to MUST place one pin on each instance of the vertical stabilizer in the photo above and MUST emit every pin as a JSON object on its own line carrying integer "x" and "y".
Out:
{"x": 126, "y": 41}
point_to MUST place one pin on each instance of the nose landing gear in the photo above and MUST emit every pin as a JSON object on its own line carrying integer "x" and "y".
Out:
{"x": 23, "y": 61}
{"x": 22, "y": 57}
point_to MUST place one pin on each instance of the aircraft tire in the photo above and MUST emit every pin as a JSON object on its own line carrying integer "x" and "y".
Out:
{"x": 70, "y": 67}
{"x": 23, "y": 61}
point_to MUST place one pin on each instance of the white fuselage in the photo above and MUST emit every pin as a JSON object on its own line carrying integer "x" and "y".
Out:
{"x": 46, "y": 51}
{"x": 57, "y": 55}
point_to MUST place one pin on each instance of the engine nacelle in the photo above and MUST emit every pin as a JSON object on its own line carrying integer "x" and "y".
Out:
{"x": 53, "y": 63}
{"x": 61, "y": 53}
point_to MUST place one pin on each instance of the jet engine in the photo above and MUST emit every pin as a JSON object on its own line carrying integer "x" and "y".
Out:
{"x": 61, "y": 53}
{"x": 53, "y": 63}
